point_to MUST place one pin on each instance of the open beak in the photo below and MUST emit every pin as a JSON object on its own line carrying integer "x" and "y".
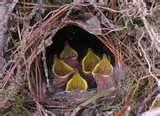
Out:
{"x": 77, "y": 83}
{"x": 70, "y": 56}
{"x": 102, "y": 74}
{"x": 89, "y": 62}
{"x": 61, "y": 69}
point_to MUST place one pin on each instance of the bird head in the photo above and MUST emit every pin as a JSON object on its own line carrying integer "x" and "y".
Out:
{"x": 89, "y": 61}
{"x": 61, "y": 69}
{"x": 68, "y": 52}
{"x": 104, "y": 67}
{"x": 77, "y": 82}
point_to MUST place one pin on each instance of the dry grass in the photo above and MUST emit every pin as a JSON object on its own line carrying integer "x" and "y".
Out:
{"x": 130, "y": 31}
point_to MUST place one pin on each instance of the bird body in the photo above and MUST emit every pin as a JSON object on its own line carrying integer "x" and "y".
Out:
{"x": 96, "y": 72}
{"x": 102, "y": 74}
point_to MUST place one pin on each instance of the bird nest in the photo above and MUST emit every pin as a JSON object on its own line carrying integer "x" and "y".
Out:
{"x": 28, "y": 72}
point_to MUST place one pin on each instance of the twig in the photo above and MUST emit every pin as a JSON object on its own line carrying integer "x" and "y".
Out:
{"x": 91, "y": 100}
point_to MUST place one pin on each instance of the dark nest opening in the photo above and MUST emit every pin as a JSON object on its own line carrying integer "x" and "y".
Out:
{"x": 80, "y": 40}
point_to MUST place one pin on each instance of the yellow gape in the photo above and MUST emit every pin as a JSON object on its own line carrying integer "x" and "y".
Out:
{"x": 68, "y": 52}
{"x": 104, "y": 67}
{"x": 61, "y": 69}
{"x": 89, "y": 61}
{"x": 76, "y": 83}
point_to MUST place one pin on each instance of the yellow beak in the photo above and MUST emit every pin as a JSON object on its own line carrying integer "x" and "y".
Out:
{"x": 61, "y": 69}
{"x": 104, "y": 67}
{"x": 77, "y": 83}
{"x": 89, "y": 61}
{"x": 102, "y": 74}
{"x": 68, "y": 52}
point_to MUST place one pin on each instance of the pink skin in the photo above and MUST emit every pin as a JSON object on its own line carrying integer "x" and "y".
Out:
{"x": 74, "y": 62}
{"x": 104, "y": 81}
{"x": 111, "y": 80}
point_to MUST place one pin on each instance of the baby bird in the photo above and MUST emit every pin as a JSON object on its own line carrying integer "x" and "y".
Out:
{"x": 104, "y": 67}
{"x": 61, "y": 69}
{"x": 77, "y": 83}
{"x": 89, "y": 61}
{"x": 61, "y": 72}
{"x": 70, "y": 56}
{"x": 102, "y": 74}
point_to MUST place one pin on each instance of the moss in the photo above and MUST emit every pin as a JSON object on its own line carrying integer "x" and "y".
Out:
{"x": 17, "y": 109}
